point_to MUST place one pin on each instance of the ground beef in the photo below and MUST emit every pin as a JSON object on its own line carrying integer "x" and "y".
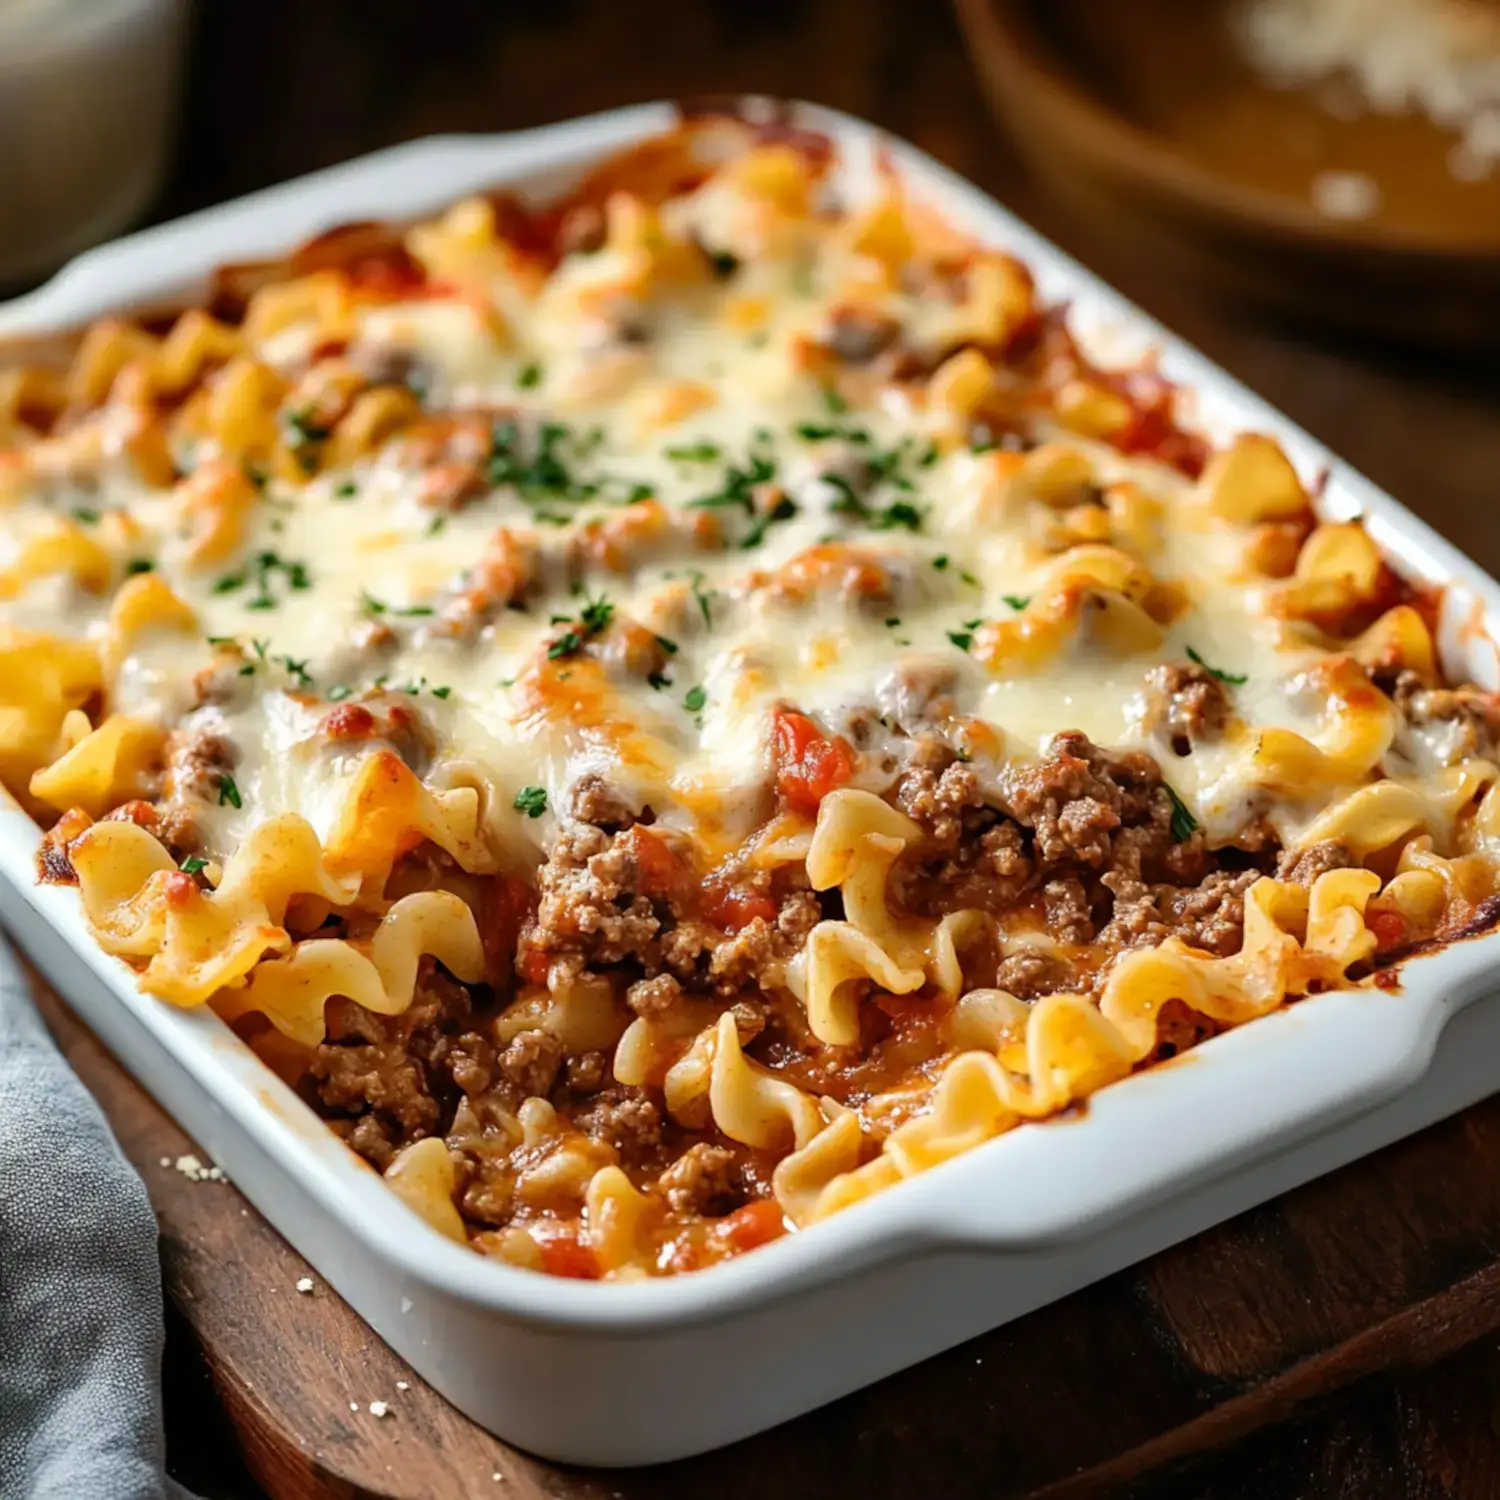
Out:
{"x": 588, "y": 908}
{"x": 197, "y": 762}
{"x": 655, "y": 996}
{"x": 1210, "y": 915}
{"x": 859, "y": 335}
{"x": 1459, "y": 722}
{"x": 1028, "y": 974}
{"x": 1187, "y": 701}
{"x": 1303, "y": 866}
{"x": 532, "y": 1062}
{"x": 594, "y": 800}
{"x": 702, "y": 1181}
{"x": 626, "y": 1119}
{"x": 399, "y": 1072}
{"x": 592, "y": 915}
{"x": 1075, "y": 798}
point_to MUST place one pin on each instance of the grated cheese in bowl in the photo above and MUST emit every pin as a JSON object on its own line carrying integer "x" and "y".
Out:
{"x": 1440, "y": 58}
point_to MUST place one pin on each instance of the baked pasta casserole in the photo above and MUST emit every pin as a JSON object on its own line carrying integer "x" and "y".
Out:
{"x": 668, "y": 712}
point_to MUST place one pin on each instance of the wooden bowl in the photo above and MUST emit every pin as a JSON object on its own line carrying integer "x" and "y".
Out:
{"x": 1144, "y": 119}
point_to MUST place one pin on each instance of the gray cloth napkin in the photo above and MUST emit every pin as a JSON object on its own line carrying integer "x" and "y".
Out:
{"x": 80, "y": 1285}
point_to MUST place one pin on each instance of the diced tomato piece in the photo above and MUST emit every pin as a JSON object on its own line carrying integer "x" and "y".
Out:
{"x": 393, "y": 274}
{"x": 755, "y": 1224}
{"x": 1389, "y": 928}
{"x": 809, "y": 763}
{"x": 734, "y": 907}
{"x": 660, "y": 869}
{"x": 508, "y": 903}
{"x": 565, "y": 1254}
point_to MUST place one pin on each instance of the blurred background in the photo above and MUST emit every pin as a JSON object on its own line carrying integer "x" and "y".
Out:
{"x": 1309, "y": 190}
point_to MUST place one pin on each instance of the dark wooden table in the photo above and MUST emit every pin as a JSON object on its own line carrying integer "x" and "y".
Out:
{"x": 280, "y": 87}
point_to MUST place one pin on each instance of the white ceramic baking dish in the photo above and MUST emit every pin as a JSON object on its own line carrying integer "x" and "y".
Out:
{"x": 634, "y": 1373}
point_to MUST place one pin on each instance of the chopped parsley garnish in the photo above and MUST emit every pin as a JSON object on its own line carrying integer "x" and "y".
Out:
{"x": 370, "y": 604}
{"x": 940, "y": 562}
{"x": 1232, "y": 678}
{"x": 968, "y": 578}
{"x": 531, "y": 800}
{"x": 704, "y": 598}
{"x": 892, "y": 621}
{"x": 593, "y": 619}
{"x": 784, "y": 509}
{"x": 739, "y": 483}
{"x": 296, "y": 669}
{"x": 304, "y": 435}
{"x": 440, "y": 692}
{"x": 902, "y": 513}
{"x": 961, "y": 638}
{"x": 1017, "y": 601}
{"x": 881, "y": 517}
{"x": 669, "y": 646}
{"x": 659, "y": 680}
{"x": 694, "y": 453}
{"x": 266, "y": 566}
{"x": 346, "y": 489}
{"x": 229, "y": 792}
{"x": 436, "y": 524}
{"x": 255, "y": 474}
{"x": 815, "y": 432}
{"x": 414, "y": 611}
{"x": 694, "y": 699}
{"x": 139, "y": 565}
{"x": 85, "y": 515}
{"x": 192, "y": 864}
{"x": 596, "y": 615}
{"x": 1184, "y": 824}
{"x": 529, "y": 376}
{"x": 338, "y": 692}
{"x": 834, "y": 401}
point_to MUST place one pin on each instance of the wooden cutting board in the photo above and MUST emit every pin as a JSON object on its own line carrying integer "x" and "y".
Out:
{"x": 1394, "y": 1261}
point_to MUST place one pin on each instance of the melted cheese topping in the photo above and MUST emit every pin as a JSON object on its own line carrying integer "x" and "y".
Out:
{"x": 660, "y": 465}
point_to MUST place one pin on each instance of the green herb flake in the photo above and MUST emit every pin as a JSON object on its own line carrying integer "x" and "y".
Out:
{"x": 436, "y": 525}
{"x": 892, "y": 621}
{"x": 961, "y": 638}
{"x": 441, "y": 692}
{"x": 694, "y": 699}
{"x": 784, "y": 509}
{"x": 659, "y": 680}
{"x": 815, "y": 432}
{"x": 1232, "y": 678}
{"x": 834, "y": 401}
{"x": 669, "y": 646}
{"x": 530, "y": 376}
{"x": 192, "y": 864}
{"x": 531, "y": 800}
{"x": 338, "y": 692}
{"x": 138, "y": 565}
{"x": 693, "y": 453}
{"x": 1184, "y": 824}
{"x": 704, "y": 599}
{"x": 940, "y": 562}
{"x": 1017, "y": 601}
{"x": 346, "y": 489}
{"x": 85, "y": 515}
{"x": 229, "y": 792}
{"x": 370, "y": 604}
{"x": 297, "y": 670}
